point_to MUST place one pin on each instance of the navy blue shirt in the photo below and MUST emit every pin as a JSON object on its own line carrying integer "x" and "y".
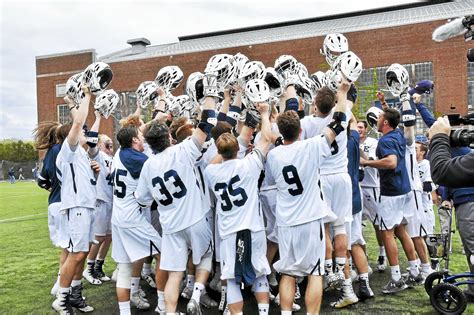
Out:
{"x": 49, "y": 173}
{"x": 133, "y": 160}
{"x": 393, "y": 182}
{"x": 353, "y": 156}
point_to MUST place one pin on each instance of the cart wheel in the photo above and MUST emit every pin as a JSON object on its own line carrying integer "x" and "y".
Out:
{"x": 448, "y": 299}
{"x": 433, "y": 279}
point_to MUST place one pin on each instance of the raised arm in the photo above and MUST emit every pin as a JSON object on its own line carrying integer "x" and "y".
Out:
{"x": 266, "y": 128}
{"x": 79, "y": 115}
{"x": 408, "y": 119}
{"x": 208, "y": 115}
{"x": 93, "y": 136}
{"x": 339, "y": 123}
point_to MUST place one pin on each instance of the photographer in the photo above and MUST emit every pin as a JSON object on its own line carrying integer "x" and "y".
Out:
{"x": 447, "y": 171}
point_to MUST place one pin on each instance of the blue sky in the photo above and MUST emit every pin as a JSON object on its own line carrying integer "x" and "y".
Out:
{"x": 33, "y": 28}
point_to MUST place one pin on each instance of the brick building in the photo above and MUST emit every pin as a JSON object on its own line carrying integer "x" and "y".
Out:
{"x": 379, "y": 37}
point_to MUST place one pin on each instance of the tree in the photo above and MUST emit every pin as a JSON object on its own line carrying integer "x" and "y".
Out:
{"x": 17, "y": 151}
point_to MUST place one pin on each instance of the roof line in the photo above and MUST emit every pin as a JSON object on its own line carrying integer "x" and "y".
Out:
{"x": 66, "y": 53}
{"x": 314, "y": 19}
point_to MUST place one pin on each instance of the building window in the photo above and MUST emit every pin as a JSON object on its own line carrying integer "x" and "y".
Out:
{"x": 63, "y": 114}
{"x": 60, "y": 90}
{"x": 372, "y": 80}
{"x": 470, "y": 87}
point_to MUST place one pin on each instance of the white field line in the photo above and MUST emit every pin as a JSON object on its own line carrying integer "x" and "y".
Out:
{"x": 22, "y": 217}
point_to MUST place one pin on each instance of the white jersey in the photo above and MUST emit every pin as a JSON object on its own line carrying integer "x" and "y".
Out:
{"x": 371, "y": 175}
{"x": 104, "y": 181}
{"x": 337, "y": 162}
{"x": 78, "y": 184}
{"x": 235, "y": 185}
{"x": 268, "y": 182}
{"x": 412, "y": 168}
{"x": 295, "y": 169}
{"x": 425, "y": 176}
{"x": 127, "y": 165}
{"x": 169, "y": 178}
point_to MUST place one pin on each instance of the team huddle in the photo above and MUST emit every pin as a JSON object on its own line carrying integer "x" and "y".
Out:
{"x": 255, "y": 174}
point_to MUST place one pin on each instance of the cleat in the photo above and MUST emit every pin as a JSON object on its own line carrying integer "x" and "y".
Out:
{"x": 394, "y": 286}
{"x": 223, "y": 303}
{"x": 206, "y": 301}
{"x": 99, "y": 272}
{"x": 365, "y": 292}
{"x": 412, "y": 281}
{"x": 142, "y": 295}
{"x": 215, "y": 283}
{"x": 297, "y": 292}
{"x": 77, "y": 301}
{"x": 271, "y": 296}
{"x": 193, "y": 308}
{"x": 187, "y": 293}
{"x": 272, "y": 280}
{"x": 226, "y": 311}
{"x": 337, "y": 280}
{"x": 381, "y": 263}
{"x": 137, "y": 301}
{"x": 90, "y": 277}
{"x": 150, "y": 279}
{"x": 160, "y": 311}
{"x": 63, "y": 307}
{"x": 346, "y": 299}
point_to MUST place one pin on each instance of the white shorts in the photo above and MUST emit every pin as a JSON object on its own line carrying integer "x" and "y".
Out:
{"x": 356, "y": 230}
{"x": 217, "y": 237}
{"x": 430, "y": 220}
{"x": 102, "y": 218}
{"x": 390, "y": 211}
{"x": 176, "y": 246}
{"x": 302, "y": 249}
{"x": 259, "y": 258}
{"x": 268, "y": 202}
{"x": 134, "y": 243}
{"x": 370, "y": 203}
{"x": 155, "y": 221}
{"x": 337, "y": 192}
{"x": 54, "y": 222}
{"x": 415, "y": 223}
{"x": 80, "y": 229}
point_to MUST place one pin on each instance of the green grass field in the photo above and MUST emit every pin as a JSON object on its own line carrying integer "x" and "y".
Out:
{"x": 29, "y": 265}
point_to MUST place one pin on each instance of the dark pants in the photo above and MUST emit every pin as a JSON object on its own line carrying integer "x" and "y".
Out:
{"x": 465, "y": 225}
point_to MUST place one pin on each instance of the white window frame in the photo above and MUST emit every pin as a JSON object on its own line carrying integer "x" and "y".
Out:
{"x": 61, "y": 90}
{"x": 58, "y": 110}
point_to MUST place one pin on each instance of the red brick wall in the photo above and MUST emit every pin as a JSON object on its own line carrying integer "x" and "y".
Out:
{"x": 380, "y": 47}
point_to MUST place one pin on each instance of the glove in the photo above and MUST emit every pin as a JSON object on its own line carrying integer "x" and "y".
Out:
{"x": 422, "y": 87}
{"x": 209, "y": 82}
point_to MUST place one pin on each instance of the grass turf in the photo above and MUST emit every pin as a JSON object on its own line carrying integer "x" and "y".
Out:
{"x": 29, "y": 266}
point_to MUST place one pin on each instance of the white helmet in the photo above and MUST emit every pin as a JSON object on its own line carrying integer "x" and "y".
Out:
{"x": 319, "y": 79}
{"x": 349, "y": 64}
{"x": 106, "y": 102}
{"x": 178, "y": 104}
{"x": 73, "y": 88}
{"x": 169, "y": 77}
{"x": 309, "y": 91}
{"x": 301, "y": 70}
{"x": 146, "y": 93}
{"x": 97, "y": 76}
{"x": 397, "y": 79}
{"x": 252, "y": 70}
{"x": 239, "y": 62}
{"x": 334, "y": 43}
{"x": 274, "y": 81}
{"x": 373, "y": 115}
{"x": 257, "y": 91}
{"x": 333, "y": 79}
{"x": 194, "y": 87}
{"x": 222, "y": 66}
{"x": 285, "y": 63}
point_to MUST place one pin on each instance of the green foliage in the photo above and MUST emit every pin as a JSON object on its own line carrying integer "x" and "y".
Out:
{"x": 17, "y": 151}
{"x": 369, "y": 93}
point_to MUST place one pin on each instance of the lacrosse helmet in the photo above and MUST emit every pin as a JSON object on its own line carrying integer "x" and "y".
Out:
{"x": 194, "y": 87}
{"x": 222, "y": 66}
{"x": 397, "y": 79}
{"x": 285, "y": 63}
{"x": 274, "y": 81}
{"x": 169, "y": 77}
{"x": 373, "y": 115}
{"x": 252, "y": 70}
{"x": 73, "y": 88}
{"x": 319, "y": 79}
{"x": 106, "y": 102}
{"x": 334, "y": 45}
{"x": 239, "y": 62}
{"x": 146, "y": 93}
{"x": 97, "y": 76}
{"x": 301, "y": 70}
{"x": 257, "y": 91}
{"x": 349, "y": 64}
{"x": 178, "y": 104}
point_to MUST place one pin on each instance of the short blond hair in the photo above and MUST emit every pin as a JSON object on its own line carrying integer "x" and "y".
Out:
{"x": 227, "y": 146}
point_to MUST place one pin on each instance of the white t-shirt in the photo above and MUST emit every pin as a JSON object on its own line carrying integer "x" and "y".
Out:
{"x": 337, "y": 162}
{"x": 169, "y": 178}
{"x": 425, "y": 176}
{"x": 295, "y": 170}
{"x": 235, "y": 185}
{"x": 412, "y": 168}
{"x": 371, "y": 175}
{"x": 105, "y": 180}
{"x": 78, "y": 184}
{"x": 127, "y": 165}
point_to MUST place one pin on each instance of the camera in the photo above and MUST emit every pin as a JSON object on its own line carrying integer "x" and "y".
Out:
{"x": 461, "y": 137}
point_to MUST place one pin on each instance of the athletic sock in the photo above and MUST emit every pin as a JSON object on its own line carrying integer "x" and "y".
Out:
{"x": 124, "y": 308}
{"x": 327, "y": 266}
{"x": 90, "y": 264}
{"x": 340, "y": 263}
{"x": 263, "y": 309}
{"x": 63, "y": 292}
{"x": 146, "y": 270}
{"x": 161, "y": 299}
{"x": 190, "y": 282}
{"x": 134, "y": 285}
{"x": 75, "y": 283}
{"x": 381, "y": 250}
{"x": 198, "y": 290}
{"x": 364, "y": 276}
{"x": 286, "y": 312}
{"x": 347, "y": 286}
{"x": 395, "y": 271}
{"x": 426, "y": 268}
{"x": 414, "y": 271}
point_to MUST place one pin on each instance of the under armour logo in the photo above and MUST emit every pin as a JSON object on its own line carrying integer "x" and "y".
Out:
{"x": 79, "y": 214}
